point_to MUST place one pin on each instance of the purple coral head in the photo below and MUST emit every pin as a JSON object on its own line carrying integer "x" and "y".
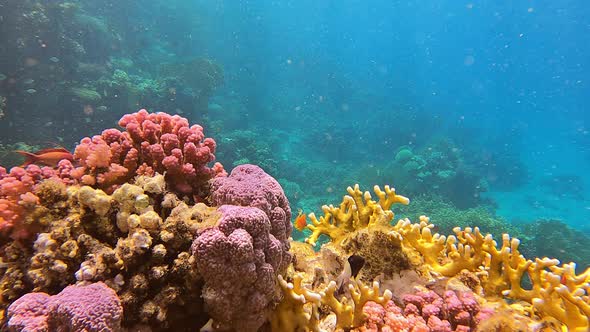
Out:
{"x": 94, "y": 307}
{"x": 239, "y": 261}
{"x": 91, "y": 308}
{"x": 29, "y": 313}
{"x": 249, "y": 185}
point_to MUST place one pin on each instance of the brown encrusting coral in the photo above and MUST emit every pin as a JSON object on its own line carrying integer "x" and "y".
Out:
{"x": 136, "y": 240}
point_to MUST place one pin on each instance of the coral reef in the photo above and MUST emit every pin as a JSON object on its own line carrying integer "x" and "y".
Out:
{"x": 446, "y": 216}
{"x": 88, "y": 235}
{"x": 567, "y": 245}
{"x": 389, "y": 316}
{"x": 20, "y": 217}
{"x": 40, "y": 65}
{"x": 440, "y": 168}
{"x": 250, "y": 147}
{"x": 145, "y": 234}
{"x": 356, "y": 211}
{"x": 66, "y": 69}
{"x": 200, "y": 74}
{"x": 454, "y": 311}
{"x": 300, "y": 307}
{"x": 100, "y": 237}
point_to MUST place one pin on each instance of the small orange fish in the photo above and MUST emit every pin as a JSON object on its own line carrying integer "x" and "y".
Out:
{"x": 46, "y": 157}
{"x": 300, "y": 221}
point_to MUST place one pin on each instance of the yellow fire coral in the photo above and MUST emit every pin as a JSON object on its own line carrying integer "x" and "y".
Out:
{"x": 556, "y": 293}
{"x": 349, "y": 312}
{"x": 356, "y": 211}
{"x": 299, "y": 309}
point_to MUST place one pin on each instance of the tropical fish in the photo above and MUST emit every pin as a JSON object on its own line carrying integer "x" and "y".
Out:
{"x": 300, "y": 221}
{"x": 352, "y": 267}
{"x": 47, "y": 157}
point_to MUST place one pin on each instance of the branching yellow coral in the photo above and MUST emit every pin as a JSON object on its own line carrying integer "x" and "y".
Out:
{"x": 291, "y": 314}
{"x": 357, "y": 210}
{"x": 556, "y": 292}
{"x": 563, "y": 296}
{"x": 349, "y": 312}
{"x": 299, "y": 309}
{"x": 447, "y": 256}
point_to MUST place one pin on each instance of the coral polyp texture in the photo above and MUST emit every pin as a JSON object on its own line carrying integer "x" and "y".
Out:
{"x": 94, "y": 307}
{"x": 144, "y": 232}
{"x": 249, "y": 185}
{"x": 151, "y": 142}
{"x": 241, "y": 257}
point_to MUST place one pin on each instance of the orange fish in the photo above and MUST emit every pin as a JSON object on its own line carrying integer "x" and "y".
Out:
{"x": 300, "y": 221}
{"x": 46, "y": 157}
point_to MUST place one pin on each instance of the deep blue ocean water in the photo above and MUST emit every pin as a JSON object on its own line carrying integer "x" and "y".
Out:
{"x": 504, "y": 77}
{"x": 491, "y": 98}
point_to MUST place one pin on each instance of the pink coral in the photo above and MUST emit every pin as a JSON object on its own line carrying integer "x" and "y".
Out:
{"x": 439, "y": 325}
{"x": 394, "y": 318}
{"x": 390, "y": 318}
{"x": 239, "y": 261}
{"x": 249, "y": 185}
{"x": 455, "y": 311}
{"x": 94, "y": 307}
{"x": 484, "y": 314}
{"x": 29, "y": 313}
{"x": 17, "y": 197}
{"x": 374, "y": 314}
{"x": 151, "y": 142}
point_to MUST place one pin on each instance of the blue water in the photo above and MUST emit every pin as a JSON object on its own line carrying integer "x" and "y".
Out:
{"x": 490, "y": 97}
{"x": 503, "y": 78}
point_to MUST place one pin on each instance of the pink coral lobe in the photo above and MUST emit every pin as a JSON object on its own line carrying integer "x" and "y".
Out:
{"x": 239, "y": 258}
{"x": 92, "y": 308}
{"x": 249, "y": 185}
{"x": 17, "y": 198}
{"x": 455, "y": 311}
{"x": 29, "y": 313}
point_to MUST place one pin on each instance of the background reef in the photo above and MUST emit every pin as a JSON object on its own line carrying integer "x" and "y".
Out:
{"x": 477, "y": 110}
